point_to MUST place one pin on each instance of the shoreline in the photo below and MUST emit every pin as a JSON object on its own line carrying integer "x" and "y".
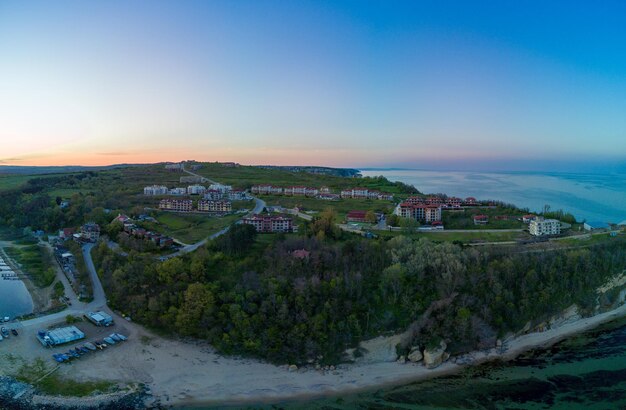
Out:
{"x": 385, "y": 379}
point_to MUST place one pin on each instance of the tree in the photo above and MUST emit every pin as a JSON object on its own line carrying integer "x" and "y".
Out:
{"x": 370, "y": 217}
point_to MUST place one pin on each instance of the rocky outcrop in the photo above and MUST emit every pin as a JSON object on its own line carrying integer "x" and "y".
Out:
{"x": 435, "y": 356}
{"x": 415, "y": 355}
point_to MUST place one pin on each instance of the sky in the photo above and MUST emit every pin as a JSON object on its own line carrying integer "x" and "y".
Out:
{"x": 437, "y": 84}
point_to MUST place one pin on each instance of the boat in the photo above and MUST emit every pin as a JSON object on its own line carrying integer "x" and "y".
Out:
{"x": 1, "y": 337}
{"x": 83, "y": 349}
{"x": 65, "y": 357}
{"x": 90, "y": 346}
{"x": 4, "y": 331}
{"x": 115, "y": 337}
{"x": 109, "y": 340}
{"x": 58, "y": 357}
{"x": 121, "y": 336}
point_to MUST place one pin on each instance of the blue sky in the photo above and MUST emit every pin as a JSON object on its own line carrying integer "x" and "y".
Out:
{"x": 521, "y": 85}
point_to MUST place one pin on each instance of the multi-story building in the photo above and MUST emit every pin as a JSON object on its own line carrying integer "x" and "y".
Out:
{"x": 178, "y": 191}
{"x": 155, "y": 190}
{"x": 453, "y": 202}
{"x": 206, "y": 205}
{"x": 419, "y": 212}
{"x": 174, "y": 167}
{"x": 213, "y": 195}
{"x": 470, "y": 201}
{"x": 90, "y": 231}
{"x": 270, "y": 223}
{"x": 364, "y": 193}
{"x": 222, "y": 188}
{"x": 542, "y": 227}
{"x": 196, "y": 189}
{"x": 178, "y": 205}
{"x": 238, "y": 195}
{"x": 356, "y": 216}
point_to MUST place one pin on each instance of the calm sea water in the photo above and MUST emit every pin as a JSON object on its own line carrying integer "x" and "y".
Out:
{"x": 593, "y": 197}
{"x": 15, "y": 299}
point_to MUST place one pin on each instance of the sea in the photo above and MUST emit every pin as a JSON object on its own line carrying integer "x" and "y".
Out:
{"x": 594, "y": 198}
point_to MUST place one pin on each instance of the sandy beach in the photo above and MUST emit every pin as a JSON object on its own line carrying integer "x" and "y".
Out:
{"x": 191, "y": 373}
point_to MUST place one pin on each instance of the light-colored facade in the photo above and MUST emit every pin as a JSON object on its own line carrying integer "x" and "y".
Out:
{"x": 205, "y": 205}
{"x": 178, "y": 191}
{"x": 196, "y": 189}
{"x": 155, "y": 190}
{"x": 178, "y": 205}
{"x": 543, "y": 227}
{"x": 419, "y": 212}
{"x": 222, "y": 188}
{"x": 269, "y": 223}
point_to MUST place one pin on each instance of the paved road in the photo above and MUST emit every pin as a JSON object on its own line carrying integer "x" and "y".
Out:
{"x": 99, "y": 299}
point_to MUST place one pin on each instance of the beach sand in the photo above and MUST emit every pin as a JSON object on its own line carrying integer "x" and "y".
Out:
{"x": 178, "y": 372}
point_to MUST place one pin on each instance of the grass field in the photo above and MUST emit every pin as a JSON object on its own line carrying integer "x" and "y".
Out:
{"x": 35, "y": 261}
{"x": 464, "y": 219}
{"x": 189, "y": 228}
{"x": 246, "y": 176}
{"x": 12, "y": 181}
{"x": 342, "y": 207}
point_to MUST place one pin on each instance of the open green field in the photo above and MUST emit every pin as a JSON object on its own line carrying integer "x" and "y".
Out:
{"x": 189, "y": 228}
{"x": 35, "y": 261}
{"x": 464, "y": 219}
{"x": 246, "y": 176}
{"x": 342, "y": 207}
{"x": 9, "y": 181}
{"x": 463, "y": 237}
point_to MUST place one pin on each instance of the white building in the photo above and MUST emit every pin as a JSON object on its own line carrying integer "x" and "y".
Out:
{"x": 220, "y": 187}
{"x": 178, "y": 191}
{"x": 196, "y": 189}
{"x": 541, "y": 227}
{"x": 155, "y": 190}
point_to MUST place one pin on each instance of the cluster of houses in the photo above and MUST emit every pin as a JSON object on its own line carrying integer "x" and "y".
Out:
{"x": 270, "y": 223}
{"x": 130, "y": 229}
{"x": 204, "y": 205}
{"x": 428, "y": 209}
{"x": 320, "y": 193}
{"x": 212, "y": 192}
{"x": 89, "y": 232}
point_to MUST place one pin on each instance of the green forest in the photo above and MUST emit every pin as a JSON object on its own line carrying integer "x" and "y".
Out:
{"x": 261, "y": 299}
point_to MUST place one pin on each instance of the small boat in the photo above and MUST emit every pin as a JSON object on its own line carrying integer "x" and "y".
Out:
{"x": 73, "y": 354}
{"x": 4, "y": 331}
{"x": 14, "y": 332}
{"x": 83, "y": 349}
{"x": 58, "y": 357}
{"x": 109, "y": 340}
{"x": 90, "y": 346}
{"x": 115, "y": 337}
{"x": 1, "y": 338}
{"x": 121, "y": 336}
{"x": 65, "y": 357}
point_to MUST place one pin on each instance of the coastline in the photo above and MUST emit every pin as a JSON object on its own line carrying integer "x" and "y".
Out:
{"x": 389, "y": 374}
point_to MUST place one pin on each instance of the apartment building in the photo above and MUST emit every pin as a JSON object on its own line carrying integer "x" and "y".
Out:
{"x": 419, "y": 211}
{"x": 178, "y": 205}
{"x": 178, "y": 191}
{"x": 270, "y": 223}
{"x": 155, "y": 190}
{"x": 90, "y": 232}
{"x": 542, "y": 227}
{"x": 196, "y": 189}
{"x": 221, "y": 206}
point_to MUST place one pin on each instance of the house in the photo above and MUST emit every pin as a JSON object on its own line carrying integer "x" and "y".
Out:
{"x": 356, "y": 216}
{"x": 155, "y": 190}
{"x": 434, "y": 200}
{"x": 66, "y": 233}
{"x": 527, "y": 218}
{"x": 64, "y": 204}
{"x": 178, "y": 205}
{"x": 542, "y": 227}
{"x": 122, "y": 218}
{"x": 324, "y": 190}
{"x": 196, "y": 189}
{"x": 481, "y": 219}
{"x": 90, "y": 232}
{"x": 470, "y": 201}
{"x": 270, "y": 223}
{"x": 221, "y": 206}
{"x": 301, "y": 254}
